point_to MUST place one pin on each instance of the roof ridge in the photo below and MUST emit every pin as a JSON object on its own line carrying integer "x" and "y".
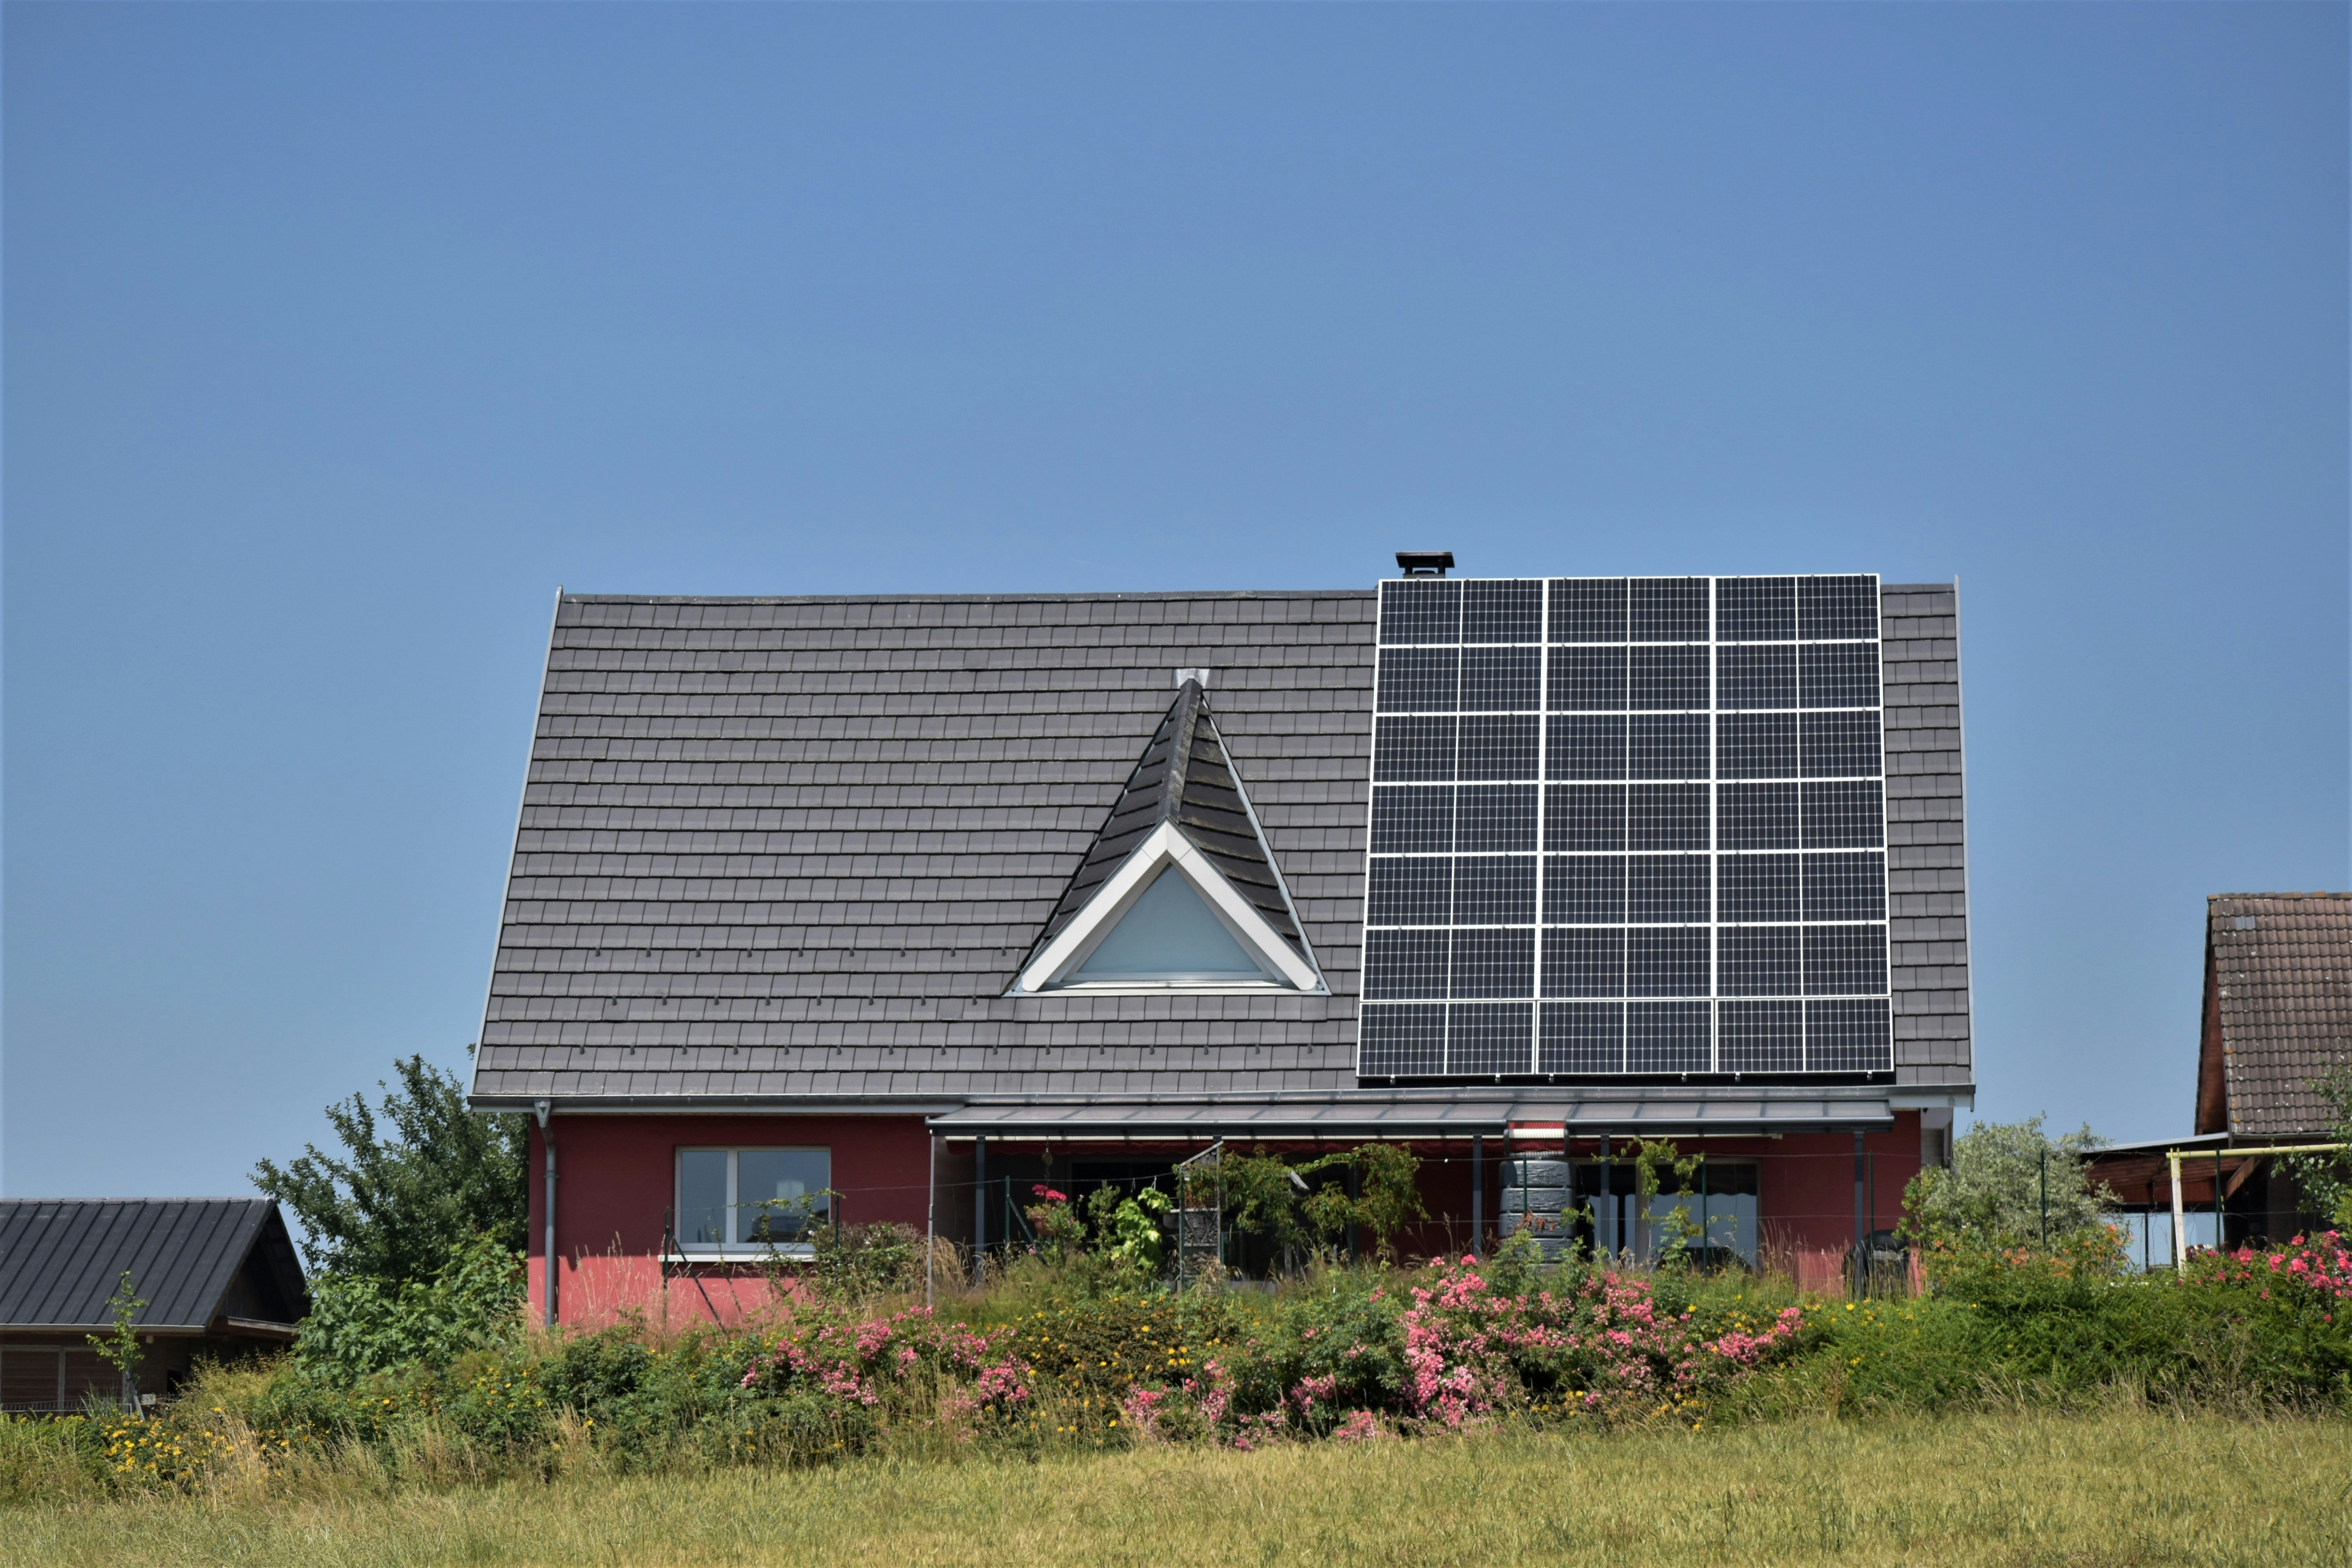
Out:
{"x": 1099, "y": 596}
{"x": 2217, "y": 898}
{"x": 1186, "y": 717}
{"x": 248, "y": 1199}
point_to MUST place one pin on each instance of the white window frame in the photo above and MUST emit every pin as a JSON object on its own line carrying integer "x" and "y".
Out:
{"x": 1167, "y": 851}
{"x": 731, "y": 1249}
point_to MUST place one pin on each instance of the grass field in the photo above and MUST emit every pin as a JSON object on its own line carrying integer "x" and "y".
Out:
{"x": 2123, "y": 1488}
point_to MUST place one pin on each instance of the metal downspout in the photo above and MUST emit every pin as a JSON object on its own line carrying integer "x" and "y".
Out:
{"x": 546, "y": 1140}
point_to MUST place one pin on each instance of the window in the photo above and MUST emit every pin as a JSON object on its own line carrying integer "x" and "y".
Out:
{"x": 1717, "y": 1222}
{"x": 752, "y": 1200}
{"x": 1168, "y": 934}
{"x": 1167, "y": 919}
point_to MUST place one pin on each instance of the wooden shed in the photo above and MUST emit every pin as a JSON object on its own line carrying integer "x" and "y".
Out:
{"x": 219, "y": 1277}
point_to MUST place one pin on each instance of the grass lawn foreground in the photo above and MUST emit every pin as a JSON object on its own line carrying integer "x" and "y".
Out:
{"x": 2123, "y": 1486}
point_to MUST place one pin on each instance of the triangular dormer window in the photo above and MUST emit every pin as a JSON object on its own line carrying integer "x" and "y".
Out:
{"x": 1178, "y": 892}
{"x": 1169, "y": 934}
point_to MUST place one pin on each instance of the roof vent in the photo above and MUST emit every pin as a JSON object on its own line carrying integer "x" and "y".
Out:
{"x": 1424, "y": 562}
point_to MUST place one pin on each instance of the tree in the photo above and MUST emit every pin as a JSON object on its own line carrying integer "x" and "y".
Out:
{"x": 1993, "y": 1193}
{"x": 392, "y": 1208}
{"x": 120, "y": 1349}
{"x": 2326, "y": 1178}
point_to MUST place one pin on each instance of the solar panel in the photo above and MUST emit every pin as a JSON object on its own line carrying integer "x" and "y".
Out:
{"x": 1627, "y": 826}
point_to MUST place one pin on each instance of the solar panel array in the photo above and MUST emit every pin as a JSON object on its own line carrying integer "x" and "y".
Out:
{"x": 1626, "y": 826}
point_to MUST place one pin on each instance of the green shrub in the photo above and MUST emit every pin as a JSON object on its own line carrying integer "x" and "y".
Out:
{"x": 1343, "y": 1352}
{"x": 2010, "y": 1185}
{"x": 360, "y": 1325}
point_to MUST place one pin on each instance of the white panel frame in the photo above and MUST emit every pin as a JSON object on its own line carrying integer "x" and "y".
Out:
{"x": 1165, "y": 849}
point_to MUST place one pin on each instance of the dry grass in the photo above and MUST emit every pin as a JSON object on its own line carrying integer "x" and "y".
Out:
{"x": 2123, "y": 1488}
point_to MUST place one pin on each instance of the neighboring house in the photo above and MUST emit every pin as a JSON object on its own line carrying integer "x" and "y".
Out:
{"x": 2276, "y": 1018}
{"x": 218, "y": 1274}
{"x": 917, "y": 902}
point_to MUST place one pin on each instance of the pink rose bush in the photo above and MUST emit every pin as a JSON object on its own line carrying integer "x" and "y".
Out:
{"x": 864, "y": 1364}
{"x": 1596, "y": 1344}
{"x": 1460, "y": 1345}
{"x": 2317, "y": 1267}
{"x": 1462, "y": 1349}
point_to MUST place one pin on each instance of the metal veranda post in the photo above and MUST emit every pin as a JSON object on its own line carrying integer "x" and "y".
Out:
{"x": 1705, "y": 1236}
{"x": 2179, "y": 1218}
{"x": 980, "y": 1209}
{"x": 1478, "y": 1195}
{"x": 1567, "y": 1184}
{"x": 1608, "y": 1195}
{"x": 1860, "y": 1175}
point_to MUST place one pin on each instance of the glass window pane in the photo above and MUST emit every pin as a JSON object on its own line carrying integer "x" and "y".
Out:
{"x": 779, "y": 1193}
{"x": 1167, "y": 934}
{"x": 702, "y": 1197}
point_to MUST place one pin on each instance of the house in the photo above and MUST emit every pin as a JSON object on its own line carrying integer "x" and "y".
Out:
{"x": 890, "y": 908}
{"x": 218, "y": 1276}
{"x": 2276, "y": 1018}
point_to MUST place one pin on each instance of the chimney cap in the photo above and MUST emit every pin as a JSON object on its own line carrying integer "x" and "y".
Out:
{"x": 1424, "y": 562}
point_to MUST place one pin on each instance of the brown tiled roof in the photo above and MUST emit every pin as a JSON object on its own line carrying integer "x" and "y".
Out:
{"x": 2278, "y": 1010}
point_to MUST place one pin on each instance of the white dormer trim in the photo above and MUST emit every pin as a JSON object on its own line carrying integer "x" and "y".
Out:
{"x": 1068, "y": 953}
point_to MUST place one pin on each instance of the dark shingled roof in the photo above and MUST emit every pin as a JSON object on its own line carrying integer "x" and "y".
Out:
{"x": 1185, "y": 777}
{"x": 1926, "y": 834}
{"x": 62, "y": 1259}
{"x": 777, "y": 849}
{"x": 2278, "y": 1010}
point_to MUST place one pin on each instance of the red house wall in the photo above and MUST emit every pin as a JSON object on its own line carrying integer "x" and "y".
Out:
{"x": 615, "y": 1174}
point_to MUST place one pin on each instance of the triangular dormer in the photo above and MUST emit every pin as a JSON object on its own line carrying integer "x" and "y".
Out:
{"x": 1178, "y": 891}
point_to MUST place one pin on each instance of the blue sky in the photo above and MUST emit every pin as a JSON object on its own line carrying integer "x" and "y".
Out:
{"x": 337, "y": 336}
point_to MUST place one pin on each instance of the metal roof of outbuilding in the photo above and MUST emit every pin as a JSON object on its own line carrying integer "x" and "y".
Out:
{"x": 62, "y": 1259}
